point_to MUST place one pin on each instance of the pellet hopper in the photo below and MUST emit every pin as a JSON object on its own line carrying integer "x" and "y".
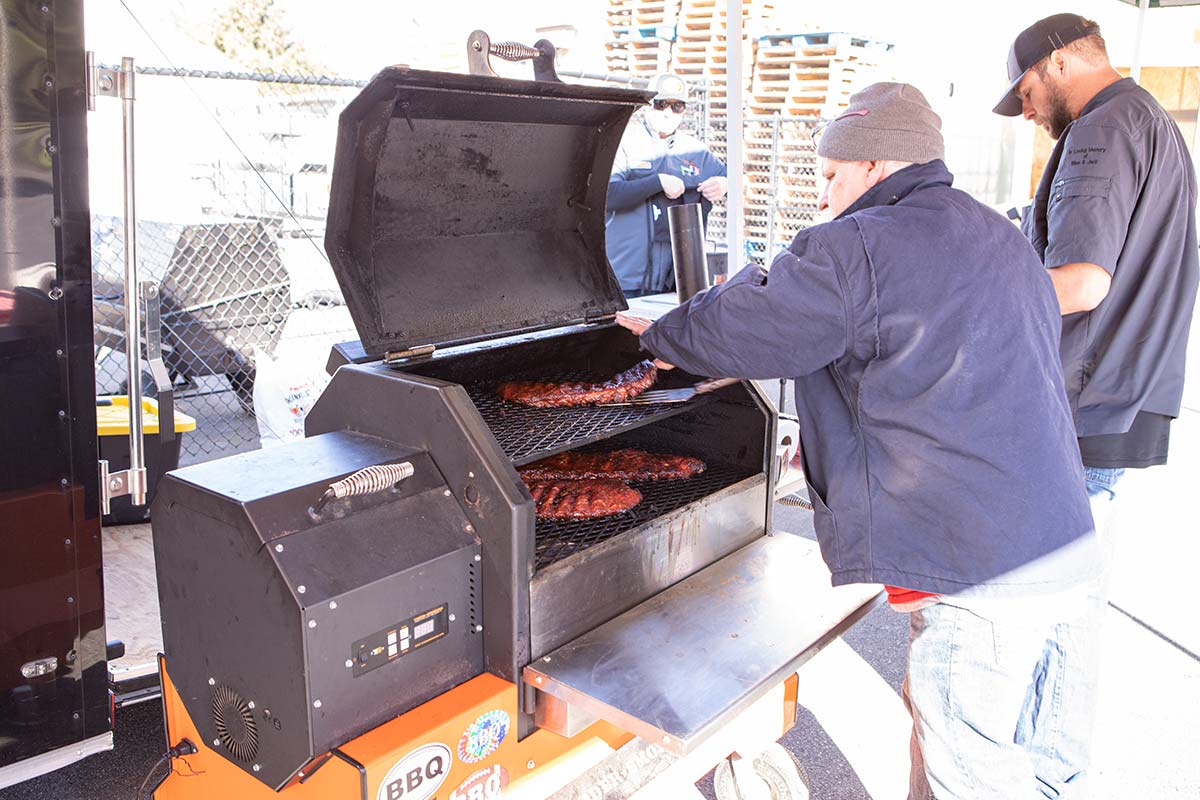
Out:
{"x": 377, "y": 611}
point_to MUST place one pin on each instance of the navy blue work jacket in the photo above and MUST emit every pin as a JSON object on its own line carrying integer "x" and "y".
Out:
{"x": 636, "y": 214}
{"x": 923, "y": 335}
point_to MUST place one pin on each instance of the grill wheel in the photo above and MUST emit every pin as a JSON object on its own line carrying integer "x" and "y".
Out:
{"x": 235, "y": 723}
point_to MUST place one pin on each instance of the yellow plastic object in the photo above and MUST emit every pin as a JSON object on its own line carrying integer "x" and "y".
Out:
{"x": 113, "y": 419}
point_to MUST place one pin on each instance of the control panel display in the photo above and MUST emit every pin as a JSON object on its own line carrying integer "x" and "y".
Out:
{"x": 400, "y": 639}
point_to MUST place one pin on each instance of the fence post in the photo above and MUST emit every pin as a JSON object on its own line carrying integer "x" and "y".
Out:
{"x": 773, "y": 208}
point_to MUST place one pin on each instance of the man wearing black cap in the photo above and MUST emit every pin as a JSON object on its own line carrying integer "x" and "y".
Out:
{"x": 1114, "y": 221}
{"x": 938, "y": 447}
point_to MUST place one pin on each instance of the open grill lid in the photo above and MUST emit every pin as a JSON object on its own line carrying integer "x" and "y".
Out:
{"x": 468, "y": 207}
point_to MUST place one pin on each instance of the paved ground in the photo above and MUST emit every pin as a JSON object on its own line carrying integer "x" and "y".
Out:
{"x": 852, "y": 736}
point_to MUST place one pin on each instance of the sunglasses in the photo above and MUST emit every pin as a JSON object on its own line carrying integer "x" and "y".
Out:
{"x": 677, "y": 106}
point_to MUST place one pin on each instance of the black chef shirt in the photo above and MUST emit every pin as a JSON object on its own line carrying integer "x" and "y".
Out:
{"x": 1119, "y": 191}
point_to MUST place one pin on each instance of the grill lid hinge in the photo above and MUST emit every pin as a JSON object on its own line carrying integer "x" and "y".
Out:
{"x": 423, "y": 351}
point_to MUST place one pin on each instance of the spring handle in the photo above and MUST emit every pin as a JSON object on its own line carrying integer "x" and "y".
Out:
{"x": 366, "y": 481}
{"x": 796, "y": 501}
{"x": 513, "y": 51}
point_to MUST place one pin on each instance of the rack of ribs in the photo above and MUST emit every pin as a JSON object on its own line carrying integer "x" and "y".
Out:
{"x": 581, "y": 499}
{"x": 618, "y": 389}
{"x": 626, "y": 464}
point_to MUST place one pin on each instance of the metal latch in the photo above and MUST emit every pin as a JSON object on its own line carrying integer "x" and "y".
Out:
{"x": 101, "y": 81}
{"x": 118, "y": 484}
{"x": 105, "y": 82}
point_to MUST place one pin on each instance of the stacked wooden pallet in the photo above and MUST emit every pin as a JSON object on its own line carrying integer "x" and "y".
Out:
{"x": 642, "y": 34}
{"x": 812, "y": 74}
{"x": 800, "y": 80}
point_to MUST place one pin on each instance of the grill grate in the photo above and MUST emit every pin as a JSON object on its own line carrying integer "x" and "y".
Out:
{"x": 557, "y": 539}
{"x": 527, "y": 434}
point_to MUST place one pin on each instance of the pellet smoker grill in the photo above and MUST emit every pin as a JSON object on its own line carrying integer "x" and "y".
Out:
{"x": 316, "y": 592}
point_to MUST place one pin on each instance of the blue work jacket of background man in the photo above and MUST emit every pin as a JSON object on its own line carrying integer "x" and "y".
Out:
{"x": 637, "y": 208}
{"x": 923, "y": 333}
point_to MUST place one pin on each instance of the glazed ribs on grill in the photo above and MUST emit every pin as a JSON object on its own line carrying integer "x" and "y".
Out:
{"x": 625, "y": 465}
{"x": 618, "y": 389}
{"x": 581, "y": 499}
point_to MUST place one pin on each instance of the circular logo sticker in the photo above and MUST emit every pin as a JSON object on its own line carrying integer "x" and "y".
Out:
{"x": 482, "y": 737}
{"x": 486, "y": 784}
{"x": 418, "y": 775}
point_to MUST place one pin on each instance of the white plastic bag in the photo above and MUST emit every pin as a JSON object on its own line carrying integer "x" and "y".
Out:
{"x": 284, "y": 391}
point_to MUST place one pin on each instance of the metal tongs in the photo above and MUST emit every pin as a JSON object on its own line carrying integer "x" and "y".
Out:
{"x": 681, "y": 395}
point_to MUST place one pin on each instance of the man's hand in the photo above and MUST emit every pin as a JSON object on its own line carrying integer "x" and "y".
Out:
{"x": 637, "y": 326}
{"x": 714, "y": 188}
{"x": 672, "y": 187}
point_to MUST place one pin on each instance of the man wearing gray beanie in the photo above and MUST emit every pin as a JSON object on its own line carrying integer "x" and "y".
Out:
{"x": 922, "y": 333}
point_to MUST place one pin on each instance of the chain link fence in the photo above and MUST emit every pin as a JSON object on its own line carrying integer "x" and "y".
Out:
{"x": 232, "y": 207}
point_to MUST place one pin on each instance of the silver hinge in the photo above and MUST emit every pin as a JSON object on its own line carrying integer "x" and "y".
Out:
{"x": 119, "y": 484}
{"x": 424, "y": 351}
{"x": 101, "y": 81}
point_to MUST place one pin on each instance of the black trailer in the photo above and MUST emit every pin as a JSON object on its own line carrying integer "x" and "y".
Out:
{"x": 54, "y": 698}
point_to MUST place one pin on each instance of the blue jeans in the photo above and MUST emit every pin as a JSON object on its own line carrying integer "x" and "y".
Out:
{"x": 1061, "y": 747}
{"x": 1002, "y": 699}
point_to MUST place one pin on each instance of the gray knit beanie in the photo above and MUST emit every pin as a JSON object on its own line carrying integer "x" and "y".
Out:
{"x": 884, "y": 122}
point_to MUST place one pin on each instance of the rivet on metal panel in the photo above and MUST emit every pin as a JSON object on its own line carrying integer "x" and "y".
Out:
{"x": 469, "y": 528}
{"x": 539, "y": 680}
{"x": 56, "y": 293}
{"x": 447, "y": 493}
{"x": 58, "y": 353}
{"x": 212, "y": 682}
{"x": 470, "y": 474}
{"x": 51, "y": 148}
{"x": 529, "y": 764}
{"x": 48, "y": 82}
{"x": 479, "y": 629}
{"x": 75, "y": 715}
{"x": 70, "y": 601}
{"x": 332, "y": 605}
{"x": 56, "y": 221}
{"x": 452, "y": 618}
{"x": 216, "y": 742}
{"x": 312, "y": 623}
{"x": 250, "y": 704}
{"x": 349, "y": 663}
{"x": 478, "y": 557}
{"x": 62, "y": 414}
{"x": 64, "y": 482}
{"x": 278, "y": 548}
{"x": 316, "y": 703}
{"x": 546, "y": 659}
{"x": 257, "y": 768}
{"x": 301, "y": 588}
{"x": 67, "y": 542}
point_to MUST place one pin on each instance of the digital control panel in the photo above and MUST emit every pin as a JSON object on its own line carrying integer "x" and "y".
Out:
{"x": 400, "y": 639}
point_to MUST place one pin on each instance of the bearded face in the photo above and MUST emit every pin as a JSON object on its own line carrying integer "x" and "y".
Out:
{"x": 1057, "y": 116}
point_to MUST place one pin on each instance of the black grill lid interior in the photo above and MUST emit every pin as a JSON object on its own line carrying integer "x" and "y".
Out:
{"x": 467, "y": 207}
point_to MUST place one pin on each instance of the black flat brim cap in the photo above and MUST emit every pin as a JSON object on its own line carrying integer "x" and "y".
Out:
{"x": 1035, "y": 43}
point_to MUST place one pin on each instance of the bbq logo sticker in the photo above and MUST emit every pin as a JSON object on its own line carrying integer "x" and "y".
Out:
{"x": 482, "y": 737}
{"x": 418, "y": 775}
{"x": 486, "y": 784}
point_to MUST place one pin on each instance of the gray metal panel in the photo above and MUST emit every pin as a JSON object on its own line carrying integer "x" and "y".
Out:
{"x": 465, "y": 207}
{"x": 618, "y": 574}
{"x": 681, "y": 664}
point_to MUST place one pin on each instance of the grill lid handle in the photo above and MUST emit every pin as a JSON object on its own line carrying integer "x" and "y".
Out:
{"x": 366, "y": 481}
{"x": 480, "y": 49}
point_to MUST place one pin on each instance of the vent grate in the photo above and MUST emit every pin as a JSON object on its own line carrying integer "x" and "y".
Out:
{"x": 234, "y": 720}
